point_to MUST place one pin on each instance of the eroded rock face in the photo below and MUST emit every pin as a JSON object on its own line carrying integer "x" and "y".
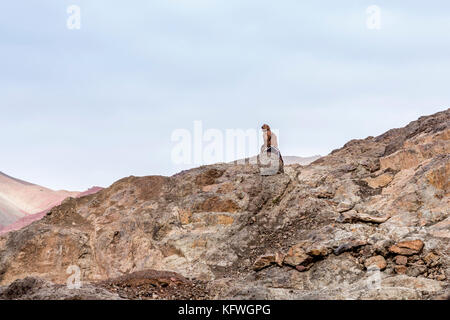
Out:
{"x": 312, "y": 232}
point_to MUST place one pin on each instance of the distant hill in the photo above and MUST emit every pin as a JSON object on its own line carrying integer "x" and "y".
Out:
{"x": 20, "y": 200}
{"x": 9, "y": 212}
{"x": 300, "y": 160}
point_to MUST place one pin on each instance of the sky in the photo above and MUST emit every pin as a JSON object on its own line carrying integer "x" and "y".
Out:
{"x": 88, "y": 106}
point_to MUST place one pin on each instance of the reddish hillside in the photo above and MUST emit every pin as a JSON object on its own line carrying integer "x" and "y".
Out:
{"x": 28, "y": 197}
{"x": 28, "y": 219}
{"x": 22, "y": 202}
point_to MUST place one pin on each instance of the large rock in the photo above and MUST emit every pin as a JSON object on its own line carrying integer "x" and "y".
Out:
{"x": 380, "y": 181}
{"x": 270, "y": 164}
{"x": 376, "y": 261}
{"x": 264, "y": 261}
{"x": 296, "y": 256}
{"x": 407, "y": 248}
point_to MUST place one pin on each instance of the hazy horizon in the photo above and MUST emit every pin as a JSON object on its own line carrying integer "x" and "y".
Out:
{"x": 87, "y": 107}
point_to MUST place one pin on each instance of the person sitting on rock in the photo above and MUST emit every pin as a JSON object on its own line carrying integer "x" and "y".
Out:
{"x": 270, "y": 141}
{"x": 271, "y": 144}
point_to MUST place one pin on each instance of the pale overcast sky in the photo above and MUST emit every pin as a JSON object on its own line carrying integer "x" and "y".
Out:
{"x": 90, "y": 106}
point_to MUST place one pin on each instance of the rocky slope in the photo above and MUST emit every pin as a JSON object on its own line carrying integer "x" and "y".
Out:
{"x": 369, "y": 221}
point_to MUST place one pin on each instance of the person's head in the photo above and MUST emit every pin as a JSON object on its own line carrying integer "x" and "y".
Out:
{"x": 265, "y": 127}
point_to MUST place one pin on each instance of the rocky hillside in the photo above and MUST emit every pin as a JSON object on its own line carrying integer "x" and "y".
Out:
{"x": 369, "y": 221}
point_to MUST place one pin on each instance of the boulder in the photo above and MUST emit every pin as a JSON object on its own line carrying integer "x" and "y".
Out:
{"x": 296, "y": 256}
{"x": 380, "y": 181}
{"x": 407, "y": 248}
{"x": 263, "y": 262}
{"x": 348, "y": 246}
{"x": 377, "y": 261}
{"x": 270, "y": 163}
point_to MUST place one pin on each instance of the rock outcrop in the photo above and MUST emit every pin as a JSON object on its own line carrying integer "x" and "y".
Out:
{"x": 369, "y": 221}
